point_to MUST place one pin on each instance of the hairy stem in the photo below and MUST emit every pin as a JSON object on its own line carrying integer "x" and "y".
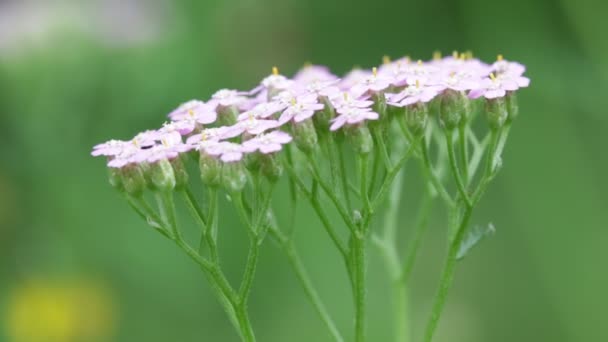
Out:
{"x": 447, "y": 277}
{"x": 311, "y": 293}
{"x": 360, "y": 291}
{"x": 449, "y": 138}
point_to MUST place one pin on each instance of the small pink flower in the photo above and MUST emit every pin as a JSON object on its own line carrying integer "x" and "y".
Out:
{"x": 498, "y": 86}
{"x": 110, "y": 148}
{"x": 415, "y": 93}
{"x": 146, "y": 138}
{"x": 347, "y": 100}
{"x": 267, "y": 143}
{"x": 300, "y": 109}
{"x": 351, "y": 116}
{"x": 504, "y": 67}
{"x": 371, "y": 84}
{"x": 251, "y": 125}
{"x": 416, "y": 71}
{"x": 169, "y": 147}
{"x": 201, "y": 112}
{"x": 229, "y": 97}
{"x": 457, "y": 81}
{"x": 209, "y": 134}
{"x": 277, "y": 81}
{"x": 314, "y": 73}
{"x": 353, "y": 77}
{"x": 262, "y": 110}
{"x": 124, "y": 156}
{"x": 323, "y": 88}
{"x": 183, "y": 127}
{"x": 228, "y": 152}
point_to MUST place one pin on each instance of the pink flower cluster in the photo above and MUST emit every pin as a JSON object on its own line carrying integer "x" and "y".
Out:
{"x": 261, "y": 117}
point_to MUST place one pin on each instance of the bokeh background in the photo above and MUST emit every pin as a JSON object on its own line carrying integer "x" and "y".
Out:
{"x": 77, "y": 265}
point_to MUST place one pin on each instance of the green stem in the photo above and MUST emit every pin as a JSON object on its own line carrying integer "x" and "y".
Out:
{"x": 331, "y": 194}
{"x": 168, "y": 213}
{"x": 368, "y": 210}
{"x": 252, "y": 261}
{"x": 400, "y": 309}
{"x": 449, "y": 137}
{"x": 392, "y": 173}
{"x": 464, "y": 152}
{"x": 314, "y": 201}
{"x": 343, "y": 178}
{"x": 432, "y": 176}
{"x": 379, "y": 139}
{"x": 359, "y": 273}
{"x": 447, "y": 277}
{"x": 488, "y": 173}
{"x": 312, "y": 295}
{"x": 245, "y": 324}
{"x": 210, "y": 234}
{"x": 390, "y": 245}
{"x": 419, "y": 230}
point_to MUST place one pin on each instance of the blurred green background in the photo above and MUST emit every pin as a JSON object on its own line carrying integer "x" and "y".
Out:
{"x": 75, "y": 260}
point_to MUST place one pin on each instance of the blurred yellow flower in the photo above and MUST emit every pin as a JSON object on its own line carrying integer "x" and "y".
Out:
{"x": 66, "y": 311}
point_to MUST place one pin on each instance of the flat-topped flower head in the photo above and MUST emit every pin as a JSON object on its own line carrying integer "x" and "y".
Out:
{"x": 417, "y": 92}
{"x": 300, "y": 109}
{"x": 352, "y": 116}
{"x": 202, "y": 112}
{"x": 372, "y": 84}
{"x": 229, "y": 97}
{"x": 498, "y": 86}
{"x": 504, "y": 67}
{"x": 267, "y": 143}
{"x": 227, "y": 152}
{"x": 262, "y": 110}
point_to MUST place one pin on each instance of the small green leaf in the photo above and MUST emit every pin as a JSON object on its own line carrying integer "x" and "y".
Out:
{"x": 473, "y": 238}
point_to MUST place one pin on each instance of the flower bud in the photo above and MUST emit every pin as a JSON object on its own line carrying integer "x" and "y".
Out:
{"x": 133, "y": 180}
{"x": 453, "y": 109}
{"x": 227, "y": 116}
{"x": 416, "y": 117}
{"x": 162, "y": 176}
{"x": 271, "y": 167}
{"x": 496, "y": 112}
{"x": 322, "y": 118}
{"x": 211, "y": 170}
{"x": 234, "y": 177}
{"x": 512, "y": 106}
{"x": 305, "y": 135}
{"x": 379, "y": 105}
{"x": 361, "y": 139}
{"x": 115, "y": 179}
{"x": 181, "y": 174}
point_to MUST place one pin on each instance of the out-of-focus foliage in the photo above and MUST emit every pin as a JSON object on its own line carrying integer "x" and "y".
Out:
{"x": 65, "y": 236}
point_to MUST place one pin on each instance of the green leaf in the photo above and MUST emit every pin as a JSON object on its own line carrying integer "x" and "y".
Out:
{"x": 473, "y": 238}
